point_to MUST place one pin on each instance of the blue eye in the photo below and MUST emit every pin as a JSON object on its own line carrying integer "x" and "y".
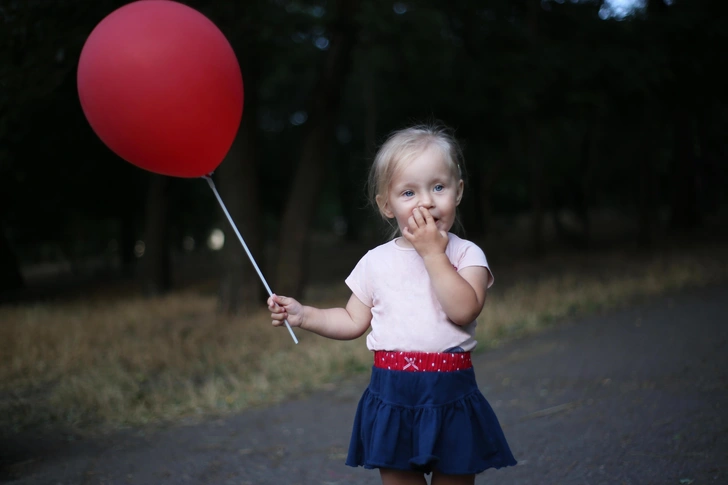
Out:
{"x": 439, "y": 188}
{"x": 408, "y": 193}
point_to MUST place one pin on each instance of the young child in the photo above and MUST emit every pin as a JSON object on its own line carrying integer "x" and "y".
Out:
{"x": 420, "y": 294}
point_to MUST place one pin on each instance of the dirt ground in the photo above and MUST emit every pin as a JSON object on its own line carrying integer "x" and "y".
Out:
{"x": 633, "y": 396}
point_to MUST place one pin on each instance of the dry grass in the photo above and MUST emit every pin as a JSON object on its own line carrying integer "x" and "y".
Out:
{"x": 113, "y": 362}
{"x": 589, "y": 284}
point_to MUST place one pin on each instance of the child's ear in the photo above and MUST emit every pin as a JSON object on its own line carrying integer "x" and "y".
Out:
{"x": 384, "y": 207}
{"x": 461, "y": 188}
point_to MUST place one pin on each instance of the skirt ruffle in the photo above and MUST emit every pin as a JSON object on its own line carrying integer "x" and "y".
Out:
{"x": 425, "y": 421}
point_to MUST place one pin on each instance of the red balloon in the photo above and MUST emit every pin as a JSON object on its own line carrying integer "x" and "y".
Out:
{"x": 161, "y": 86}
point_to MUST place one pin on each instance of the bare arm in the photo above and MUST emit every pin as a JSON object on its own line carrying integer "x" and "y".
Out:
{"x": 461, "y": 294}
{"x": 335, "y": 323}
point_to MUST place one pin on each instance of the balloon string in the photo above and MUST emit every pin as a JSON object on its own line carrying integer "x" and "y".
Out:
{"x": 245, "y": 246}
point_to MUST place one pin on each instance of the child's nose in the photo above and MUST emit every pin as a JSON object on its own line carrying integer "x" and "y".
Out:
{"x": 426, "y": 201}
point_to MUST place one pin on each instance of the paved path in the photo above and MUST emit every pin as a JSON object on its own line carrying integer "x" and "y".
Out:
{"x": 636, "y": 396}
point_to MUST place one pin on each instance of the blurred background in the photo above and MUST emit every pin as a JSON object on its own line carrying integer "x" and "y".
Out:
{"x": 585, "y": 125}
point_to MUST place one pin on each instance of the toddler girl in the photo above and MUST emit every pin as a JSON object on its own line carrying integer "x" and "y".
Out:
{"x": 420, "y": 294}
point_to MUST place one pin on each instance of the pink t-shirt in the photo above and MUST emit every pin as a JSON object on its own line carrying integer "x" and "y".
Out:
{"x": 406, "y": 315}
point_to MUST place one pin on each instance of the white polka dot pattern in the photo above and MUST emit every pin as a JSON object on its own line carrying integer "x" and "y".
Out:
{"x": 422, "y": 361}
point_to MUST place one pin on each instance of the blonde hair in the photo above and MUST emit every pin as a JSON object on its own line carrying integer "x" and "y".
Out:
{"x": 403, "y": 146}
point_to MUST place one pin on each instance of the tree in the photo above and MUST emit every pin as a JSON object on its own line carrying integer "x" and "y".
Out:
{"x": 239, "y": 285}
{"x": 308, "y": 177}
{"x": 155, "y": 265}
{"x": 11, "y": 278}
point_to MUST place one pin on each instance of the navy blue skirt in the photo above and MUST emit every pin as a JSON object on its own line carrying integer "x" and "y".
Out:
{"x": 425, "y": 421}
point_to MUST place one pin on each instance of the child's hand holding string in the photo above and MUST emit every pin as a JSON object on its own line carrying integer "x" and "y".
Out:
{"x": 423, "y": 234}
{"x": 283, "y": 307}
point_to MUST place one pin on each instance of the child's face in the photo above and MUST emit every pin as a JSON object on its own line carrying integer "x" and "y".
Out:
{"x": 425, "y": 182}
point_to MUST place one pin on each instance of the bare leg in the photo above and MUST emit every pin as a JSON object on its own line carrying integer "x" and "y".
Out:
{"x": 442, "y": 479}
{"x": 400, "y": 477}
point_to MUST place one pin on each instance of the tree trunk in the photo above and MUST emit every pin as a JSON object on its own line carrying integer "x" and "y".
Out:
{"x": 128, "y": 238}
{"x": 575, "y": 192}
{"x": 302, "y": 199}
{"x": 349, "y": 195}
{"x": 533, "y": 139}
{"x": 654, "y": 33}
{"x": 155, "y": 264}
{"x": 371, "y": 117}
{"x": 685, "y": 211}
{"x": 647, "y": 197}
{"x": 351, "y": 172}
{"x": 591, "y": 162}
{"x": 538, "y": 186}
{"x": 488, "y": 179}
{"x": 240, "y": 288}
{"x": 11, "y": 279}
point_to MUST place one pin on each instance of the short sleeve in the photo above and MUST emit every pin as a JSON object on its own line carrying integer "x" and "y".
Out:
{"x": 470, "y": 254}
{"x": 358, "y": 282}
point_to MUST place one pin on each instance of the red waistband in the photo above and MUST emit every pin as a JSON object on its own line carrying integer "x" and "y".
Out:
{"x": 422, "y": 361}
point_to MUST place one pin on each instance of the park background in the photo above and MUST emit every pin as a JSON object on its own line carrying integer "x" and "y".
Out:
{"x": 595, "y": 150}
